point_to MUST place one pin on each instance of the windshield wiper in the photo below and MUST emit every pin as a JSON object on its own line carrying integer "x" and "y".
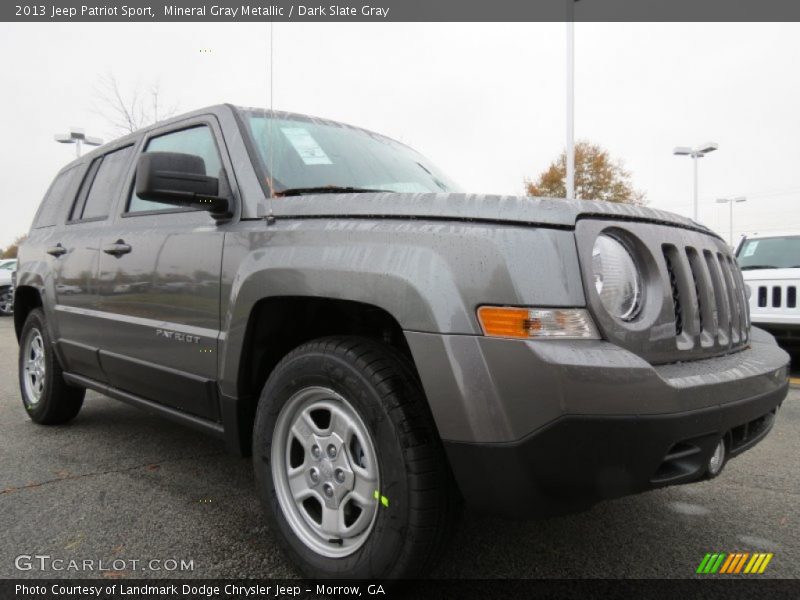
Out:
{"x": 753, "y": 267}
{"x": 326, "y": 189}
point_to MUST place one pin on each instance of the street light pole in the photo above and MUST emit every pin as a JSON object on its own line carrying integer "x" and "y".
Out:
{"x": 78, "y": 137}
{"x": 730, "y": 202}
{"x": 570, "y": 175}
{"x": 697, "y": 152}
{"x": 695, "y": 192}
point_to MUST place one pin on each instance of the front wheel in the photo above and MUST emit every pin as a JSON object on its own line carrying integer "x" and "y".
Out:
{"x": 348, "y": 463}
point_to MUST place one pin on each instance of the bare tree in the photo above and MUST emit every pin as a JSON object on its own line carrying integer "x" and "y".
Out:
{"x": 127, "y": 112}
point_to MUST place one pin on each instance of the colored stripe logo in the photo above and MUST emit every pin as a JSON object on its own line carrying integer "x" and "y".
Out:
{"x": 734, "y": 563}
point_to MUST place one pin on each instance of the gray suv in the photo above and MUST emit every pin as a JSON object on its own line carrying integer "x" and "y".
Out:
{"x": 385, "y": 346}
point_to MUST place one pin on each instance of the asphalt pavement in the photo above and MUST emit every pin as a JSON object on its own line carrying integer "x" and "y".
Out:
{"x": 120, "y": 485}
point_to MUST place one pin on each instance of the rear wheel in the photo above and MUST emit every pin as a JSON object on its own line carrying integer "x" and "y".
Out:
{"x": 348, "y": 462}
{"x": 46, "y": 396}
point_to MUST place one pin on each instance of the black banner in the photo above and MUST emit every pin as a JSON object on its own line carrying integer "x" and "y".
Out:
{"x": 199, "y": 589}
{"x": 402, "y": 10}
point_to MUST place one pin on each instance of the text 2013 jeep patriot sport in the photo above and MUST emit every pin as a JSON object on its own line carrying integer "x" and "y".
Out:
{"x": 385, "y": 346}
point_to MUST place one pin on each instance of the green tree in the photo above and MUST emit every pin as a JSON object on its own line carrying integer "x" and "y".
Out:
{"x": 597, "y": 177}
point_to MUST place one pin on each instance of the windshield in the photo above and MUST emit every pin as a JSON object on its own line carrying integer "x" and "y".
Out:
{"x": 309, "y": 155}
{"x": 11, "y": 266}
{"x": 770, "y": 253}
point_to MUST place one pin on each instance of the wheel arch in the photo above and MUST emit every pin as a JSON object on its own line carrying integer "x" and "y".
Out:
{"x": 279, "y": 324}
{"x": 26, "y": 298}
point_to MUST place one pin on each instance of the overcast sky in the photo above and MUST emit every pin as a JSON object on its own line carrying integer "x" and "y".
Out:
{"x": 483, "y": 101}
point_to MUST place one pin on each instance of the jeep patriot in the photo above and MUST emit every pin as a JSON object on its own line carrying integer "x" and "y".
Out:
{"x": 386, "y": 347}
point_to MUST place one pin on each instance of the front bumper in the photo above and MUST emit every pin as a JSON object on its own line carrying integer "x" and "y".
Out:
{"x": 580, "y": 460}
{"x": 550, "y": 427}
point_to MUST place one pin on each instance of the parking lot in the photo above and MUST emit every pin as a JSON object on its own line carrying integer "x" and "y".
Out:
{"x": 120, "y": 484}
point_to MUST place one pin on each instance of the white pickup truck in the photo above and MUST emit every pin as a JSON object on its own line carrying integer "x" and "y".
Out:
{"x": 770, "y": 266}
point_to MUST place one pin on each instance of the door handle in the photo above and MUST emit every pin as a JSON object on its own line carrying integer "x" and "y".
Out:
{"x": 57, "y": 250}
{"x": 117, "y": 249}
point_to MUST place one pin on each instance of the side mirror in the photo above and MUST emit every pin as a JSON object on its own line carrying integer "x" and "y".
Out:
{"x": 181, "y": 180}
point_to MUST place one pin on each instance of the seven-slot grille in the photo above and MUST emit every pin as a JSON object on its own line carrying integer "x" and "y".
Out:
{"x": 693, "y": 303}
{"x": 777, "y": 296}
{"x": 708, "y": 297}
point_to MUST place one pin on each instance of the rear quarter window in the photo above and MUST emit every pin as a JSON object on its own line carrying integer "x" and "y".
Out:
{"x": 101, "y": 185}
{"x": 57, "y": 199}
{"x": 106, "y": 184}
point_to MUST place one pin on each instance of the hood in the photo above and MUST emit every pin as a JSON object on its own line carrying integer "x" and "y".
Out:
{"x": 472, "y": 207}
{"x": 771, "y": 274}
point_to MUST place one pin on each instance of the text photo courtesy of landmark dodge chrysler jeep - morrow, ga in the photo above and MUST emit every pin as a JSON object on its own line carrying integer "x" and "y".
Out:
{"x": 387, "y": 347}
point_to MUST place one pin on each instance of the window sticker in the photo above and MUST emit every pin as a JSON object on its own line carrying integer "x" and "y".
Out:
{"x": 307, "y": 148}
{"x": 750, "y": 249}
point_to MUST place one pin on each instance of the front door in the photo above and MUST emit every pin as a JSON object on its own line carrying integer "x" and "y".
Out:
{"x": 159, "y": 285}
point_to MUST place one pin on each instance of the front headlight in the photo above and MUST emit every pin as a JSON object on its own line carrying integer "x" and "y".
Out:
{"x": 616, "y": 278}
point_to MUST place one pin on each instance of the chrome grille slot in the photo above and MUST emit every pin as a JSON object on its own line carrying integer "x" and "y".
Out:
{"x": 791, "y": 297}
{"x": 706, "y": 303}
{"x": 721, "y": 296}
{"x": 687, "y": 295}
{"x": 676, "y": 295}
{"x": 730, "y": 284}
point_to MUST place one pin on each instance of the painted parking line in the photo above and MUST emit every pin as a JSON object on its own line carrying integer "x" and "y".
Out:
{"x": 794, "y": 381}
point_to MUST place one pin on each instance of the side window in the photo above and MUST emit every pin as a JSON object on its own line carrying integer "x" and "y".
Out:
{"x": 83, "y": 191}
{"x": 196, "y": 140}
{"x": 101, "y": 185}
{"x": 54, "y": 200}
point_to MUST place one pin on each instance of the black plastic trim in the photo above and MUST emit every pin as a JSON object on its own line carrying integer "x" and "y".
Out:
{"x": 177, "y": 416}
{"x": 579, "y": 460}
{"x": 188, "y": 392}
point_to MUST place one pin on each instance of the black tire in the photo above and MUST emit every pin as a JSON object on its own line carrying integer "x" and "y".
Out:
{"x": 409, "y": 535}
{"x": 57, "y": 402}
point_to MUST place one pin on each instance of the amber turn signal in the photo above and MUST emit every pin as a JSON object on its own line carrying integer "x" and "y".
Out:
{"x": 532, "y": 323}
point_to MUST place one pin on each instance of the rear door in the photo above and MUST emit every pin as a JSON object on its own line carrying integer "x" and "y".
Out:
{"x": 74, "y": 248}
{"x": 159, "y": 285}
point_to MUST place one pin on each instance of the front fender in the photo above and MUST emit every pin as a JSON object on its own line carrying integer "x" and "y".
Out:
{"x": 430, "y": 276}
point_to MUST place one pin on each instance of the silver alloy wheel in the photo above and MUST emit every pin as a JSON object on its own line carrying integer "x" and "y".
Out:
{"x": 6, "y": 302}
{"x": 325, "y": 472}
{"x": 34, "y": 367}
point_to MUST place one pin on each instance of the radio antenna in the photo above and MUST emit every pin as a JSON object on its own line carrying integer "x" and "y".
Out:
{"x": 270, "y": 140}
